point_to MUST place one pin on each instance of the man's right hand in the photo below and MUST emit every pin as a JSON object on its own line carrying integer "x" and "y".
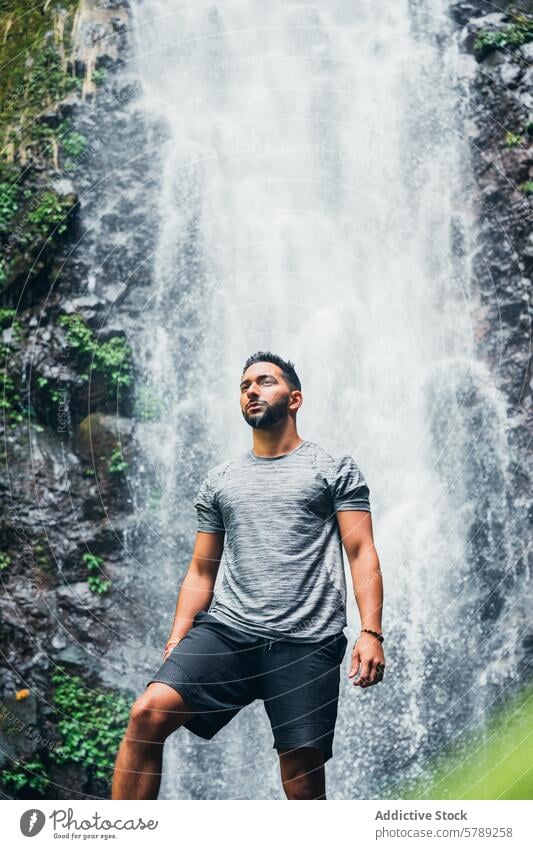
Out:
{"x": 172, "y": 643}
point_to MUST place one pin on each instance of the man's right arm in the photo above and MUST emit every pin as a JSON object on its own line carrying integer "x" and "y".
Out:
{"x": 196, "y": 590}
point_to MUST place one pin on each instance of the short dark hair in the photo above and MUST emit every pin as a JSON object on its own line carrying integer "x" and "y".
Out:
{"x": 287, "y": 368}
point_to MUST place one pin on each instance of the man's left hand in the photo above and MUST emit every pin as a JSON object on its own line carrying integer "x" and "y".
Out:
{"x": 367, "y": 655}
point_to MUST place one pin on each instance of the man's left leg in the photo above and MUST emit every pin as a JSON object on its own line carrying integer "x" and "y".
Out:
{"x": 302, "y": 773}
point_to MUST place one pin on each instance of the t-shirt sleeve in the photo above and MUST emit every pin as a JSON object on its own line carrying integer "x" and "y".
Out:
{"x": 209, "y": 515}
{"x": 350, "y": 489}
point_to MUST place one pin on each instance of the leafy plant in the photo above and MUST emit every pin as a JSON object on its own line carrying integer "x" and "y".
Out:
{"x": 54, "y": 394}
{"x": 513, "y": 35}
{"x": 526, "y": 187}
{"x": 111, "y": 358}
{"x": 99, "y": 76}
{"x": 31, "y": 774}
{"x": 5, "y": 561}
{"x": 117, "y": 463}
{"x": 11, "y": 402}
{"x": 91, "y": 723}
{"x": 73, "y": 143}
{"x": 9, "y": 204}
{"x": 51, "y": 212}
{"x": 97, "y": 584}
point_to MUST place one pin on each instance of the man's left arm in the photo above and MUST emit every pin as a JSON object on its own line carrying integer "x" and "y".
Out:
{"x": 358, "y": 540}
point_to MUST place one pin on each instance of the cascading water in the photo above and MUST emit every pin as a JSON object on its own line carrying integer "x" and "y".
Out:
{"x": 312, "y": 199}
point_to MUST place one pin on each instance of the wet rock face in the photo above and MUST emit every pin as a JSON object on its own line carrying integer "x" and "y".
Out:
{"x": 501, "y": 133}
{"x": 69, "y": 446}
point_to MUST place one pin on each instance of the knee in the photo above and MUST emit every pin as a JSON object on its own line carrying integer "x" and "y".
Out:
{"x": 302, "y": 786}
{"x": 148, "y": 722}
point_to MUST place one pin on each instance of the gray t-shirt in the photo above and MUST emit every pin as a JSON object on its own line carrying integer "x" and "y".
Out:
{"x": 283, "y": 574}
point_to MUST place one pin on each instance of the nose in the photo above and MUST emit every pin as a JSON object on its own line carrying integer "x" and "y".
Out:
{"x": 252, "y": 393}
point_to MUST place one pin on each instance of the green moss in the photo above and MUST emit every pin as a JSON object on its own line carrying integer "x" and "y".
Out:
{"x": 514, "y": 35}
{"x": 35, "y": 40}
{"x": 25, "y": 775}
{"x": 91, "y": 724}
{"x": 34, "y": 46}
{"x": 111, "y": 358}
{"x": 97, "y": 584}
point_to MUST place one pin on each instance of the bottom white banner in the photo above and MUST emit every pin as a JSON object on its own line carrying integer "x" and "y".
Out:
{"x": 261, "y": 824}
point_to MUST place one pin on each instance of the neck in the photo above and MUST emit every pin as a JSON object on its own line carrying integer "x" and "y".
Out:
{"x": 276, "y": 441}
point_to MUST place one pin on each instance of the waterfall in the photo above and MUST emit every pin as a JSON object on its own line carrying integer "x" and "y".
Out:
{"x": 312, "y": 193}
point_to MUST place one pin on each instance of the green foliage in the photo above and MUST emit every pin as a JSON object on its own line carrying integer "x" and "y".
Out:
{"x": 513, "y": 35}
{"x": 73, "y": 143}
{"x": 12, "y": 406}
{"x": 9, "y": 204}
{"x": 117, "y": 463}
{"x": 34, "y": 39}
{"x": 513, "y": 139}
{"x": 111, "y": 358}
{"x": 51, "y": 212}
{"x": 99, "y": 76}
{"x": 493, "y": 763}
{"x": 26, "y": 216}
{"x": 7, "y": 319}
{"x": 25, "y": 774}
{"x": 526, "y": 187}
{"x": 5, "y": 561}
{"x": 42, "y": 383}
{"x": 91, "y": 724}
{"x": 97, "y": 584}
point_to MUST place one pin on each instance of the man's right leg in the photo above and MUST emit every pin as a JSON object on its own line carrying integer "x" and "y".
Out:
{"x": 157, "y": 712}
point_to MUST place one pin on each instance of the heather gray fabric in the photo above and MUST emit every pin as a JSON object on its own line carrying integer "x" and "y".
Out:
{"x": 283, "y": 574}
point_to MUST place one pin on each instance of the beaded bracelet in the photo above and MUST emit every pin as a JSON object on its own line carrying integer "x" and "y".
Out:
{"x": 375, "y": 634}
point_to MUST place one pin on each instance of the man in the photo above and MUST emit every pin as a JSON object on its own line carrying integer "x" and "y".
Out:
{"x": 274, "y": 628}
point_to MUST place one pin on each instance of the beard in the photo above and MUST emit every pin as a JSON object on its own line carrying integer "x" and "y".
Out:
{"x": 269, "y": 415}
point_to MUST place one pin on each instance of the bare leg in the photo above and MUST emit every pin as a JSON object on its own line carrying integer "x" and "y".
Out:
{"x": 157, "y": 712}
{"x": 302, "y": 773}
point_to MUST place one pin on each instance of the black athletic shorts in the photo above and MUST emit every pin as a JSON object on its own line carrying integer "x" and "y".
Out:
{"x": 219, "y": 669}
